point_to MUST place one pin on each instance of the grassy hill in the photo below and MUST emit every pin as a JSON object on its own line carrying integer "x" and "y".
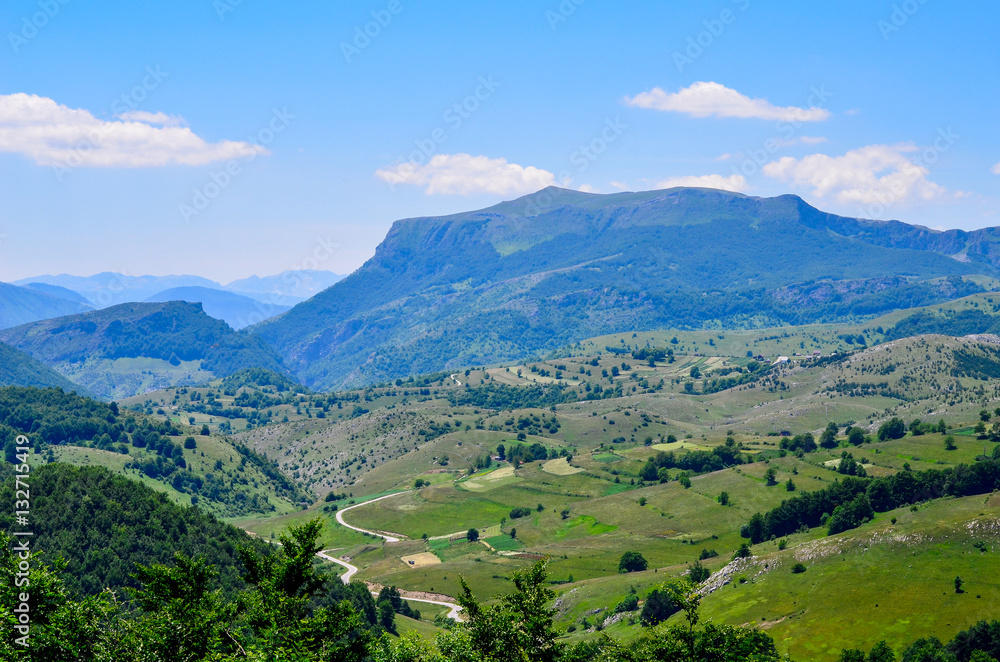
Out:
{"x": 547, "y": 270}
{"x": 599, "y": 412}
{"x": 220, "y": 476}
{"x": 132, "y": 348}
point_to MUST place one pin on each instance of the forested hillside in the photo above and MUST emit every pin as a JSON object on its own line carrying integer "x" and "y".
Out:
{"x": 128, "y": 349}
{"x": 103, "y": 525}
{"x": 552, "y": 268}
{"x": 19, "y": 369}
{"x": 191, "y": 465}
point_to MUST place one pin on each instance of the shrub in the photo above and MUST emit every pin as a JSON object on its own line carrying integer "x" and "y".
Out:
{"x": 632, "y": 562}
{"x": 798, "y": 568}
{"x": 630, "y": 603}
{"x": 190, "y": 443}
{"x": 519, "y": 512}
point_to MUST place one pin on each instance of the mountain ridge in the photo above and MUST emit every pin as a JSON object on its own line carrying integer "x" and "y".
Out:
{"x": 531, "y": 274}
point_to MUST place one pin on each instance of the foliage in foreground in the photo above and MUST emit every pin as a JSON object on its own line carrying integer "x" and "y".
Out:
{"x": 177, "y": 614}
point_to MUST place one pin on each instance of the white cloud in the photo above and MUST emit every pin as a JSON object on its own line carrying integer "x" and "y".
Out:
{"x": 736, "y": 183}
{"x": 152, "y": 118}
{"x": 463, "y": 174}
{"x": 587, "y": 188}
{"x": 706, "y": 99}
{"x": 55, "y": 135}
{"x": 996, "y": 169}
{"x": 868, "y": 175}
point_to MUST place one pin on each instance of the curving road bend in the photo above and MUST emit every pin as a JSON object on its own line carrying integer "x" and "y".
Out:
{"x": 453, "y": 609}
{"x": 455, "y": 377}
{"x": 351, "y": 569}
{"x": 386, "y": 537}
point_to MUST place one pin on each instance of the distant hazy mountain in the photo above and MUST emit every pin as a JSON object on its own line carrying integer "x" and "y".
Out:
{"x": 548, "y": 269}
{"x": 109, "y": 288}
{"x": 19, "y": 369}
{"x": 287, "y": 288}
{"x": 20, "y": 305}
{"x": 133, "y": 348}
{"x": 61, "y": 293}
{"x": 236, "y": 310}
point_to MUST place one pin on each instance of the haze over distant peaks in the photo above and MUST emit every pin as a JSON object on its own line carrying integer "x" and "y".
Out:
{"x": 112, "y": 288}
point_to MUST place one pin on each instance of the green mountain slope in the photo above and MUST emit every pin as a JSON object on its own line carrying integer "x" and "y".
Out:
{"x": 191, "y": 467}
{"x": 132, "y": 348}
{"x": 104, "y": 524}
{"x": 21, "y": 305}
{"x": 546, "y": 270}
{"x": 19, "y": 369}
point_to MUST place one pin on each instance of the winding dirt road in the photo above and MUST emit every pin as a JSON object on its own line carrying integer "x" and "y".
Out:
{"x": 453, "y": 609}
{"x": 385, "y": 536}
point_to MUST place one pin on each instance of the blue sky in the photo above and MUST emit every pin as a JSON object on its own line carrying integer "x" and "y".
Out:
{"x": 241, "y": 137}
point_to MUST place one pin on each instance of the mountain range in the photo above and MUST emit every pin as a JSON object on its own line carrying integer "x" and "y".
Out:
{"x": 136, "y": 347}
{"x": 236, "y": 310}
{"x": 110, "y": 288}
{"x": 527, "y": 277}
{"x": 533, "y": 274}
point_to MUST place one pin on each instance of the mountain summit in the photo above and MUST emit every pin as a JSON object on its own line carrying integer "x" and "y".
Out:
{"x": 536, "y": 273}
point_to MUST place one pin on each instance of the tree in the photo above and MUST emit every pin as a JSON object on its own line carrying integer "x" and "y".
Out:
{"x": 724, "y": 498}
{"x": 949, "y": 443}
{"x": 658, "y": 607}
{"x": 927, "y": 650}
{"x": 632, "y": 562}
{"x": 790, "y": 486}
{"x": 517, "y": 628}
{"x": 881, "y": 652}
{"x": 980, "y": 428}
{"x": 205, "y": 431}
{"x": 798, "y": 568}
{"x": 984, "y": 415}
{"x": 190, "y": 443}
{"x": 856, "y": 437}
{"x": 10, "y": 451}
{"x": 501, "y": 452}
{"x": 771, "y": 476}
{"x": 829, "y": 437}
{"x": 958, "y": 585}
{"x": 894, "y": 428}
{"x": 472, "y": 535}
{"x": 698, "y": 573}
{"x": 642, "y": 501}
{"x": 181, "y": 614}
{"x": 695, "y": 372}
{"x": 684, "y": 481}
